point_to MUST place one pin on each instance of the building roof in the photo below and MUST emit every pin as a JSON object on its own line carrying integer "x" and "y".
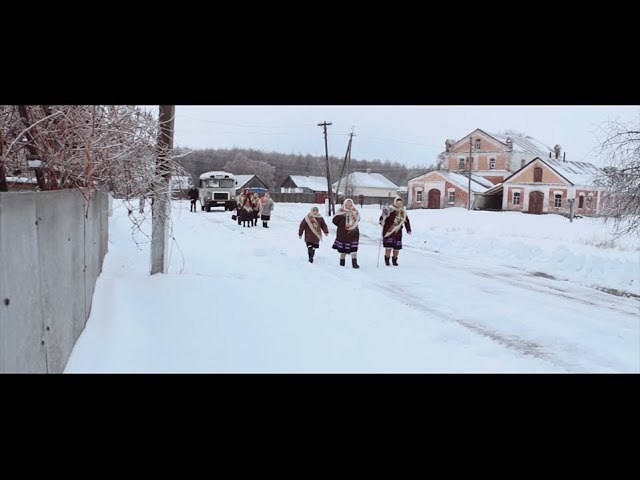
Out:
{"x": 242, "y": 180}
{"x": 21, "y": 180}
{"x": 525, "y": 144}
{"x": 317, "y": 184}
{"x": 578, "y": 173}
{"x": 368, "y": 180}
{"x": 478, "y": 184}
{"x": 181, "y": 181}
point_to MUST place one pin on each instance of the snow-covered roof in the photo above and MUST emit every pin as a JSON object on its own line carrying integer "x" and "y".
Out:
{"x": 368, "y": 180}
{"x": 578, "y": 173}
{"x": 181, "y": 181}
{"x": 478, "y": 184}
{"x": 317, "y": 184}
{"x": 525, "y": 144}
{"x": 403, "y": 189}
{"x": 242, "y": 180}
{"x": 21, "y": 180}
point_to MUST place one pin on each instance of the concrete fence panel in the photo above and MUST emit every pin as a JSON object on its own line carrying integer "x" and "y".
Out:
{"x": 52, "y": 245}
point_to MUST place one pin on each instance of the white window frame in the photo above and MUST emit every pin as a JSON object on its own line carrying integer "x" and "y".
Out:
{"x": 418, "y": 195}
{"x": 451, "y": 193}
{"x": 556, "y": 197}
{"x": 462, "y": 164}
{"x": 519, "y": 194}
{"x": 477, "y": 144}
{"x": 492, "y": 164}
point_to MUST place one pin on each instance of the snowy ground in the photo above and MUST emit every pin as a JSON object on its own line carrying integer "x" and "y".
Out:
{"x": 474, "y": 292}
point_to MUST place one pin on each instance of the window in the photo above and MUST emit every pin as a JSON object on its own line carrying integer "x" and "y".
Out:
{"x": 452, "y": 196}
{"x": 558, "y": 200}
{"x": 461, "y": 163}
{"x": 516, "y": 198}
{"x": 590, "y": 202}
{"x": 537, "y": 174}
{"x": 477, "y": 144}
{"x": 492, "y": 164}
{"x": 419, "y": 195}
{"x": 581, "y": 202}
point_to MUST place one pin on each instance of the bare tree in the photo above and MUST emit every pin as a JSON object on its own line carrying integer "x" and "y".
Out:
{"x": 619, "y": 144}
{"x": 112, "y": 147}
{"x": 241, "y": 164}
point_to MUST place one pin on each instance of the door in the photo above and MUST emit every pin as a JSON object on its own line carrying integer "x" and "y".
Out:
{"x": 434, "y": 198}
{"x": 535, "y": 202}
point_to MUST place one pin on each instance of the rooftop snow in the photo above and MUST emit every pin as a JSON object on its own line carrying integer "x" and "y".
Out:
{"x": 578, "y": 173}
{"x": 525, "y": 144}
{"x": 369, "y": 180}
{"x": 317, "y": 184}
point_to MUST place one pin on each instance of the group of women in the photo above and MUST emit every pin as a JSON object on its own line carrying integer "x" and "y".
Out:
{"x": 393, "y": 219}
{"x": 249, "y": 206}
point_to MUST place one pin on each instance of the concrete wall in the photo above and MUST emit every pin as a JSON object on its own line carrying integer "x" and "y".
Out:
{"x": 52, "y": 245}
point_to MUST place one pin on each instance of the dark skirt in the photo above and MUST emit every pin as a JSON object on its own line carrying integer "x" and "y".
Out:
{"x": 265, "y": 217}
{"x": 345, "y": 247}
{"x": 314, "y": 245}
{"x": 392, "y": 242}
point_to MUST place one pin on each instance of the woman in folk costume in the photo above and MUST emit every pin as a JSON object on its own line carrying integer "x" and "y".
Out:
{"x": 313, "y": 225}
{"x": 238, "y": 208}
{"x": 392, "y": 219}
{"x": 257, "y": 206}
{"x": 246, "y": 208}
{"x": 267, "y": 207}
{"x": 348, "y": 234}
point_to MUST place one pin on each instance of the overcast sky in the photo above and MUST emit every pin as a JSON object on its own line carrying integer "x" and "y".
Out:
{"x": 406, "y": 134}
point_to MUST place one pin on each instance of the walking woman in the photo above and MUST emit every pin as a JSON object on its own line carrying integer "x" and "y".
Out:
{"x": 257, "y": 206}
{"x": 312, "y": 226}
{"x": 267, "y": 207}
{"x": 348, "y": 234}
{"x": 393, "y": 218}
{"x": 246, "y": 208}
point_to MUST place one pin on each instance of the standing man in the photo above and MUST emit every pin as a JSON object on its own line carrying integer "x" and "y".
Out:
{"x": 193, "y": 195}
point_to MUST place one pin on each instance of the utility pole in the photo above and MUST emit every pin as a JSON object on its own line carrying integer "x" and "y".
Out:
{"x": 326, "y": 151}
{"x": 470, "y": 162}
{"x": 347, "y": 156}
{"x": 161, "y": 205}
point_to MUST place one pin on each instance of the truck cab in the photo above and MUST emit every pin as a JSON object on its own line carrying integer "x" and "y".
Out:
{"x": 217, "y": 189}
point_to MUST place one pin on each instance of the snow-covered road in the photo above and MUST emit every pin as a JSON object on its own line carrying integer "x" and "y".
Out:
{"x": 247, "y": 300}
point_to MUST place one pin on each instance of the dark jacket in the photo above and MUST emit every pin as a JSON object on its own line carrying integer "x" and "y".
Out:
{"x": 343, "y": 235}
{"x": 309, "y": 236}
{"x": 193, "y": 193}
{"x": 389, "y": 223}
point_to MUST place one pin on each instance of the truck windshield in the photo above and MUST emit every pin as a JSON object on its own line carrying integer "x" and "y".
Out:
{"x": 220, "y": 183}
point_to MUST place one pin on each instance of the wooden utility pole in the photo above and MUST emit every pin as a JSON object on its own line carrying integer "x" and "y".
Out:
{"x": 161, "y": 204}
{"x": 347, "y": 157}
{"x": 470, "y": 162}
{"x": 326, "y": 151}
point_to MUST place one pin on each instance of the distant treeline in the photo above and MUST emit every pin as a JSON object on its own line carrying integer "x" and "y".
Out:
{"x": 274, "y": 167}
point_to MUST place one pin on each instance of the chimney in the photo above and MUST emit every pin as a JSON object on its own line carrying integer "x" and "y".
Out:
{"x": 509, "y": 145}
{"x": 447, "y": 146}
{"x": 564, "y": 157}
{"x": 369, "y": 171}
{"x": 557, "y": 150}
